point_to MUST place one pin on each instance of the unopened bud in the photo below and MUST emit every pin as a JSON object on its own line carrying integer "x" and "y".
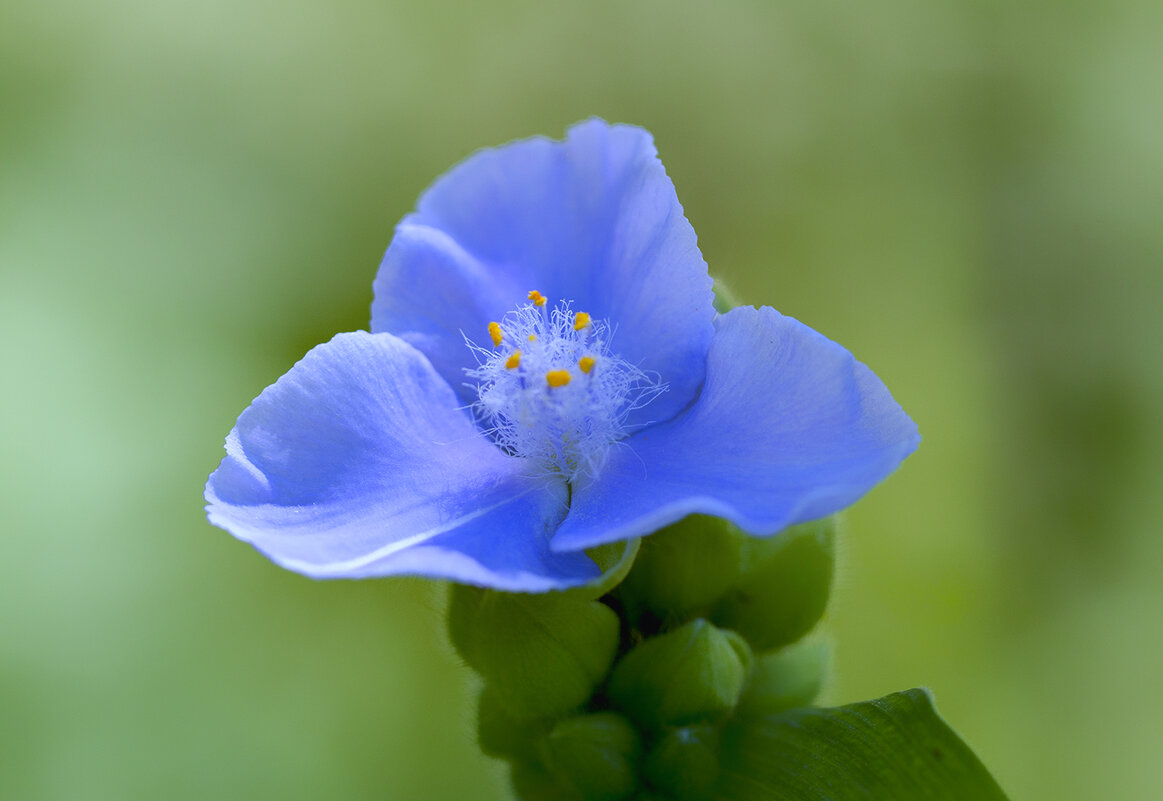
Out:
{"x": 532, "y": 782}
{"x": 541, "y": 655}
{"x": 785, "y": 679}
{"x": 685, "y": 763}
{"x": 784, "y": 587}
{"x": 597, "y": 754}
{"x": 501, "y": 735}
{"x": 684, "y": 568}
{"x": 692, "y": 674}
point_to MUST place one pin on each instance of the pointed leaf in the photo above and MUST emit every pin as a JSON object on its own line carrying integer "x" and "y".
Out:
{"x": 896, "y": 747}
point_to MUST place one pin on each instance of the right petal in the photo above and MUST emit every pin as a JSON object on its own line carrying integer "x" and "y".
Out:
{"x": 361, "y": 462}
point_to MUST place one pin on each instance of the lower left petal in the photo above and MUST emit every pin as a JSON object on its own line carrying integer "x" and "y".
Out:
{"x": 362, "y": 462}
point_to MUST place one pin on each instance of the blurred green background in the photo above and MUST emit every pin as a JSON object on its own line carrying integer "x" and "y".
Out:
{"x": 969, "y": 195}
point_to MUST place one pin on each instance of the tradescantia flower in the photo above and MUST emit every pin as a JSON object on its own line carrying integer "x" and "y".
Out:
{"x": 545, "y": 372}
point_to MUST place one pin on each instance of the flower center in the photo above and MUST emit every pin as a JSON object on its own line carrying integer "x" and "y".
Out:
{"x": 550, "y": 390}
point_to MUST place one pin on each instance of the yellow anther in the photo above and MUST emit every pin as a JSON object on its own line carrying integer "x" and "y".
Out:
{"x": 557, "y": 378}
{"x": 513, "y": 360}
{"x": 532, "y": 337}
{"x": 495, "y": 333}
{"x": 537, "y": 298}
{"x": 586, "y": 363}
{"x": 580, "y": 321}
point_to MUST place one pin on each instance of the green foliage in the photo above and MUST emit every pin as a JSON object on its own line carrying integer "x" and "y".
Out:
{"x": 698, "y": 717}
{"x": 677, "y": 677}
{"x": 895, "y": 747}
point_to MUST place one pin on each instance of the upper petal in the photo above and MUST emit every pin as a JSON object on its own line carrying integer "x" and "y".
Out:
{"x": 593, "y": 219}
{"x": 789, "y": 428}
{"x": 360, "y": 462}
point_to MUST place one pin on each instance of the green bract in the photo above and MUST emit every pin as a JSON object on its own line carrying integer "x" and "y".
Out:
{"x": 542, "y": 655}
{"x": 596, "y": 753}
{"x": 679, "y": 675}
{"x": 696, "y": 672}
{"x": 685, "y": 762}
{"x": 786, "y": 679}
{"x": 683, "y": 569}
{"x": 784, "y": 586}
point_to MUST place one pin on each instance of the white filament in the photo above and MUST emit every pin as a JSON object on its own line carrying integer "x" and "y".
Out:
{"x": 566, "y": 429}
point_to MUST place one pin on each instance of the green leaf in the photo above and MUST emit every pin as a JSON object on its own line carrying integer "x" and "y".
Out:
{"x": 784, "y": 587}
{"x": 896, "y": 747}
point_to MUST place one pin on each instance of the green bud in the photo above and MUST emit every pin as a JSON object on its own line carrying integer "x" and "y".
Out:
{"x": 692, "y": 674}
{"x": 595, "y": 753}
{"x": 532, "y": 782}
{"x": 784, "y": 587}
{"x": 501, "y": 735}
{"x": 541, "y": 655}
{"x": 786, "y": 679}
{"x": 685, "y": 763}
{"x": 684, "y": 568}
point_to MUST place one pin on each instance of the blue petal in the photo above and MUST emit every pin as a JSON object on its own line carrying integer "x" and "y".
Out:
{"x": 593, "y": 219}
{"x": 360, "y": 462}
{"x": 789, "y": 428}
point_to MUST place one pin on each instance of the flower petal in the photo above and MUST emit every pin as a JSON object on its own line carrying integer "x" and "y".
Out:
{"x": 593, "y": 219}
{"x": 789, "y": 428}
{"x": 360, "y": 462}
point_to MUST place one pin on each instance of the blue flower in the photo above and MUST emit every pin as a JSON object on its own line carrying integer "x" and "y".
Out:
{"x": 545, "y": 373}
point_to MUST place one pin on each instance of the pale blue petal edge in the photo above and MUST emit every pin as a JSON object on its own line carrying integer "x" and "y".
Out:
{"x": 360, "y": 462}
{"x": 789, "y": 428}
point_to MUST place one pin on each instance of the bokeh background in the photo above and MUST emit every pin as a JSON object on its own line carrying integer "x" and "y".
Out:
{"x": 968, "y": 194}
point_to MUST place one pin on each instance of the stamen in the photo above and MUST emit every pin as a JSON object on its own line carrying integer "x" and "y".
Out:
{"x": 557, "y": 378}
{"x": 568, "y": 423}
